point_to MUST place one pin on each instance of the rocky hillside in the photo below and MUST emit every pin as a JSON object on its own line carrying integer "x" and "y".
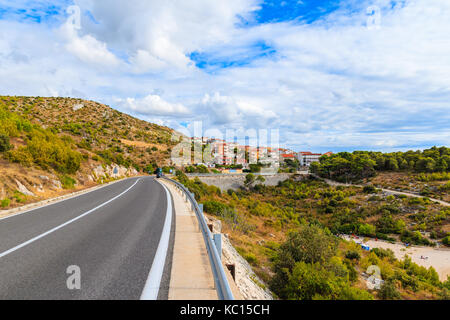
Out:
{"x": 50, "y": 146}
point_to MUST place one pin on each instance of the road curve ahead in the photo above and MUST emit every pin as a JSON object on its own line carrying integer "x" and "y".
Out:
{"x": 103, "y": 242}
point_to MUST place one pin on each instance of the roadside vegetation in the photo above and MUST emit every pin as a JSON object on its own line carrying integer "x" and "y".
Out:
{"x": 289, "y": 234}
{"x": 41, "y": 146}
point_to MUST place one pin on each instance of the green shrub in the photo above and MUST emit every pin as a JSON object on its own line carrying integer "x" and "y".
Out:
{"x": 20, "y": 197}
{"x": 214, "y": 207}
{"x": 352, "y": 255}
{"x": 22, "y": 156}
{"x": 382, "y": 253}
{"x": 414, "y": 238}
{"x": 67, "y": 182}
{"x": 47, "y": 150}
{"x": 4, "y": 143}
{"x": 5, "y": 203}
{"x": 388, "y": 291}
{"x": 446, "y": 241}
{"x": 167, "y": 169}
{"x": 251, "y": 258}
{"x": 367, "y": 230}
{"x": 370, "y": 189}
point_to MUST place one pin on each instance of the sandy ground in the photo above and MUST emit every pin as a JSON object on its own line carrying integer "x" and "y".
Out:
{"x": 439, "y": 258}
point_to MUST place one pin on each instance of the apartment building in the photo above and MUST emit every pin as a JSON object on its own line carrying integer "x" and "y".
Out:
{"x": 306, "y": 157}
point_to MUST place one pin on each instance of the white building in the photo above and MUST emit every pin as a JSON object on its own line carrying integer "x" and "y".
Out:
{"x": 306, "y": 158}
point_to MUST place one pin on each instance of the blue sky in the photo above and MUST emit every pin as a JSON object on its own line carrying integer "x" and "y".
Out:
{"x": 324, "y": 73}
{"x": 300, "y": 10}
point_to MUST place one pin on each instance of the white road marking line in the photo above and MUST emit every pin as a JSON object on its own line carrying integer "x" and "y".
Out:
{"x": 151, "y": 288}
{"x": 63, "y": 225}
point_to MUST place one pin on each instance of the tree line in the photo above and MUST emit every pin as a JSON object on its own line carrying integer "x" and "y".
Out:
{"x": 346, "y": 166}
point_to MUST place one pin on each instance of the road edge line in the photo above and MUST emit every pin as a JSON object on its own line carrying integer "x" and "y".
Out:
{"x": 153, "y": 282}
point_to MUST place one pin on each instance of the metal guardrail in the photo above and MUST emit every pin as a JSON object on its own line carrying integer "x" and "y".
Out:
{"x": 220, "y": 278}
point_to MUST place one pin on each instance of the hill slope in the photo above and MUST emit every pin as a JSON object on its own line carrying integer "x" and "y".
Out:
{"x": 49, "y": 145}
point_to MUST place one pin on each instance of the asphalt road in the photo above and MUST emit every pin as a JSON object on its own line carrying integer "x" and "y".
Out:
{"x": 113, "y": 245}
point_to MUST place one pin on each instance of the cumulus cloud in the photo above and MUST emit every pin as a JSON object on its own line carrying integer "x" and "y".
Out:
{"x": 154, "y": 33}
{"x": 152, "y": 105}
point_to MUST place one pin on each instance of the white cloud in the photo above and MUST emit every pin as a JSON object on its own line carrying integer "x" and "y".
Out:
{"x": 153, "y": 105}
{"x": 156, "y": 32}
{"x": 87, "y": 48}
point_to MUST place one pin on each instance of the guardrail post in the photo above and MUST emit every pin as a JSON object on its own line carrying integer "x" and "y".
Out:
{"x": 217, "y": 237}
{"x": 200, "y": 206}
{"x": 192, "y": 204}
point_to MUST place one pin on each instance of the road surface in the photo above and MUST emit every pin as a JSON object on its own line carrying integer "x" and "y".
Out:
{"x": 110, "y": 235}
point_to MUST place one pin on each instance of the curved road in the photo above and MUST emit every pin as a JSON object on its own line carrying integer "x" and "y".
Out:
{"x": 111, "y": 234}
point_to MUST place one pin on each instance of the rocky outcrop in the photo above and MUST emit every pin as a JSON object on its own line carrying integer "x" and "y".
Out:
{"x": 56, "y": 184}
{"x": 23, "y": 189}
{"x": 111, "y": 171}
{"x": 78, "y": 107}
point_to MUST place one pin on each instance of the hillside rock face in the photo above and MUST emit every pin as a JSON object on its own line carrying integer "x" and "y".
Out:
{"x": 112, "y": 171}
{"x": 23, "y": 189}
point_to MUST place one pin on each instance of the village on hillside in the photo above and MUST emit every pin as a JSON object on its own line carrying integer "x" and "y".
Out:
{"x": 232, "y": 157}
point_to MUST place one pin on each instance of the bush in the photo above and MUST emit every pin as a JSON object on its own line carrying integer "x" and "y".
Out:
{"x": 47, "y": 150}
{"x": 388, "y": 291}
{"x": 316, "y": 282}
{"x": 382, "y": 253}
{"x": 370, "y": 189}
{"x": 167, "y": 169}
{"x": 22, "y": 156}
{"x": 251, "y": 258}
{"x": 215, "y": 207}
{"x": 5, "y": 203}
{"x": 20, "y": 197}
{"x": 446, "y": 241}
{"x": 352, "y": 255}
{"x": 67, "y": 182}
{"x": 366, "y": 230}
{"x": 414, "y": 238}
{"x": 4, "y": 143}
